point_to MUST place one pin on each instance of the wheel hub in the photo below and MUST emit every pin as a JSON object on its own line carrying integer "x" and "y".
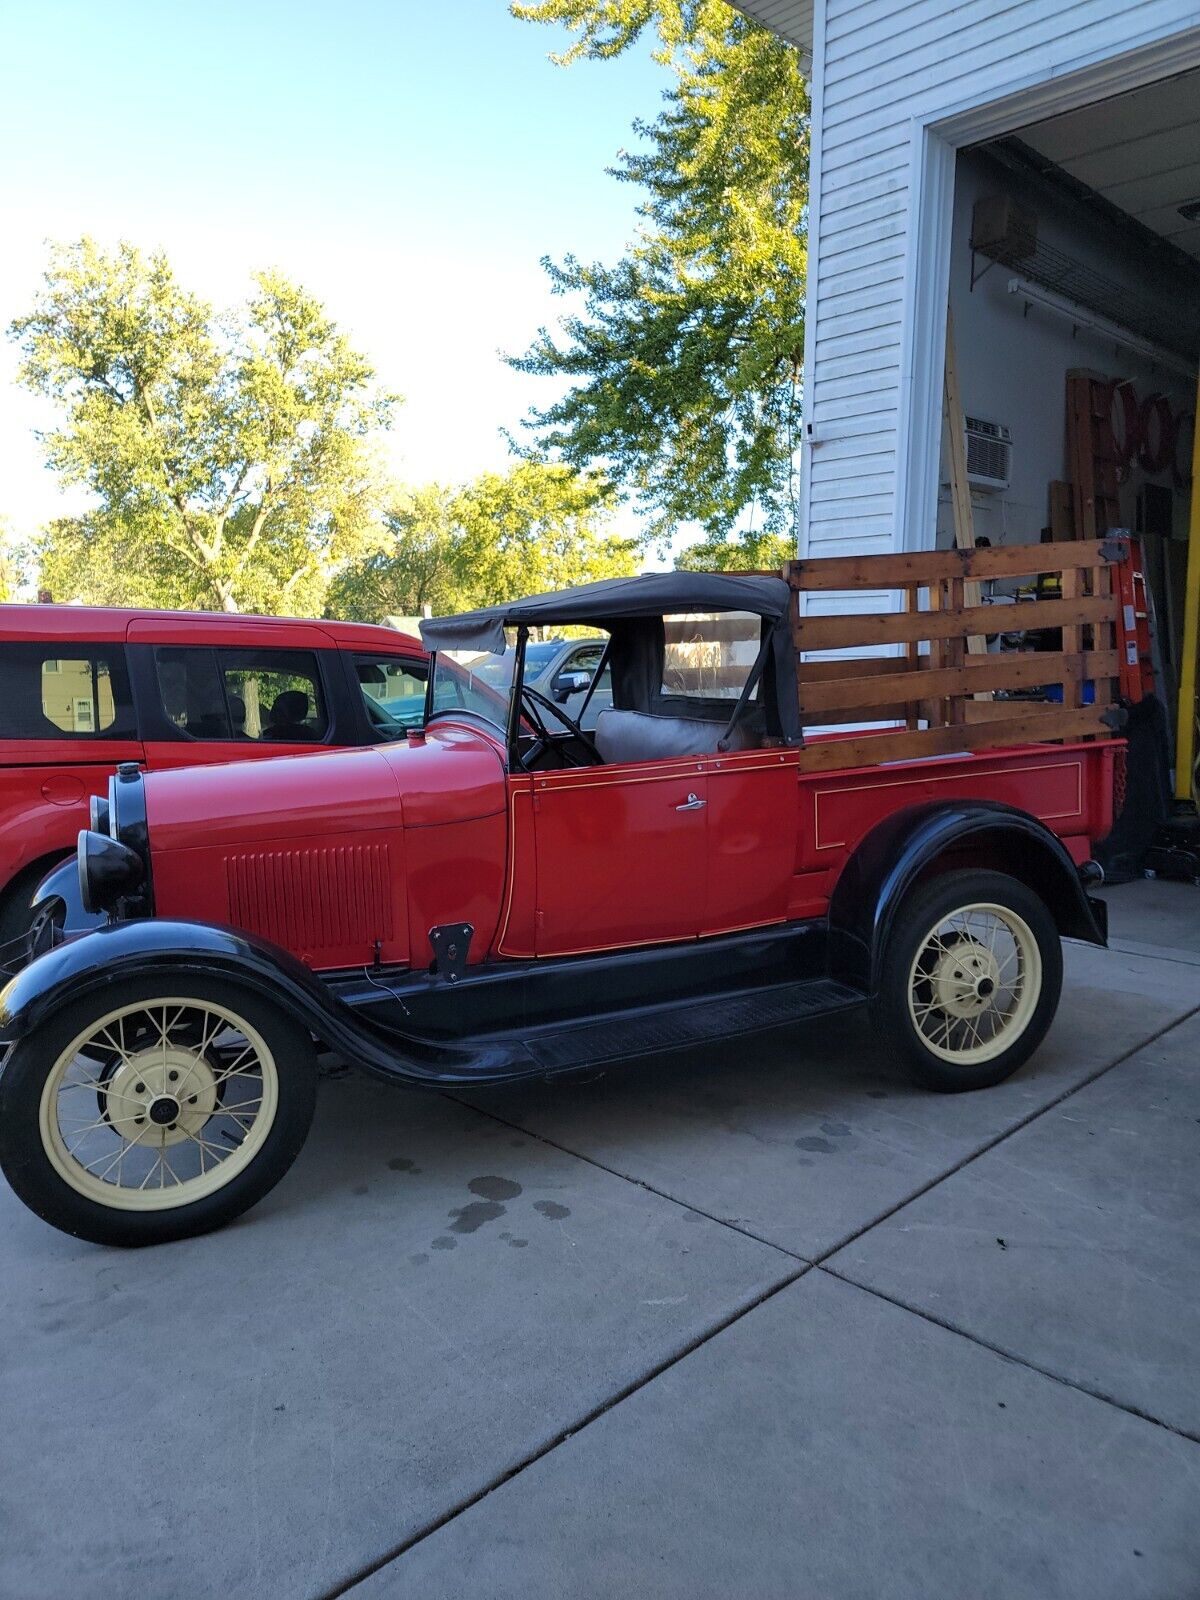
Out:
{"x": 160, "y": 1096}
{"x": 965, "y": 980}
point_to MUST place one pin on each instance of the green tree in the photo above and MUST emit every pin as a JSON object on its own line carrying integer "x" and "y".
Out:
{"x": 745, "y": 552}
{"x": 13, "y": 561}
{"x": 229, "y": 457}
{"x": 537, "y": 526}
{"x": 417, "y": 563}
{"x": 684, "y": 365}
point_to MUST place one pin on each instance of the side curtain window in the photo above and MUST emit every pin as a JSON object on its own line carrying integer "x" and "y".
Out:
{"x": 64, "y": 691}
{"x": 393, "y": 691}
{"x": 274, "y": 695}
{"x": 709, "y": 657}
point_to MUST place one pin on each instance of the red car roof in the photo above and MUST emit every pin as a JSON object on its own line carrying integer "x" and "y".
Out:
{"x": 109, "y": 624}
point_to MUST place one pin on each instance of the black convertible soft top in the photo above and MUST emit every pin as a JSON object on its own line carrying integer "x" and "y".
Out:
{"x": 599, "y": 605}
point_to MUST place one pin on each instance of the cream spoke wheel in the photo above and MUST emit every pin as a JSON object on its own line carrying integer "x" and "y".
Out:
{"x": 179, "y": 1096}
{"x": 974, "y": 983}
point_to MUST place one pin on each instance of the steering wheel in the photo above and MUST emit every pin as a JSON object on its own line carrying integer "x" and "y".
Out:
{"x": 381, "y": 719}
{"x": 533, "y": 705}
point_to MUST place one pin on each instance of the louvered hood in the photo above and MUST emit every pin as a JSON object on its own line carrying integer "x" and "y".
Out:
{"x": 338, "y": 855}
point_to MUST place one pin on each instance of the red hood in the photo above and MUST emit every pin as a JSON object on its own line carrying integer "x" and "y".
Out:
{"x": 453, "y": 775}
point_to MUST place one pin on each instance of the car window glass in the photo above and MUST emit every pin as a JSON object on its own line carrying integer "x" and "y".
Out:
{"x": 601, "y": 698}
{"x": 393, "y": 691}
{"x": 586, "y": 659}
{"x": 189, "y": 687}
{"x": 80, "y": 693}
{"x": 710, "y": 657}
{"x": 274, "y": 695}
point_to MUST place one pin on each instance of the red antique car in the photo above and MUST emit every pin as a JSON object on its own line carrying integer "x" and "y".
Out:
{"x": 504, "y": 894}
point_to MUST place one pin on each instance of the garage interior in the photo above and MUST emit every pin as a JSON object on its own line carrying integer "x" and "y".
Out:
{"x": 1073, "y": 360}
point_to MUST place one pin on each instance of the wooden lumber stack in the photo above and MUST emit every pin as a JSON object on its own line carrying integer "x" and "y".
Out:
{"x": 937, "y": 688}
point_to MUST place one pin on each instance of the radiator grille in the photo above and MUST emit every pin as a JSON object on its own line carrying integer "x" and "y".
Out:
{"x": 312, "y": 898}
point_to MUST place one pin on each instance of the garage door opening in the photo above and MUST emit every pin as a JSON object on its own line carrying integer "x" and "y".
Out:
{"x": 1075, "y": 301}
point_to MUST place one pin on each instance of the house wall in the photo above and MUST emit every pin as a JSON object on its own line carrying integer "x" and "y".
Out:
{"x": 1013, "y": 363}
{"x": 885, "y": 72}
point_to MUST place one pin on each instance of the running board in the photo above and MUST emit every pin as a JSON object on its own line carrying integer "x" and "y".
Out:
{"x": 680, "y": 1026}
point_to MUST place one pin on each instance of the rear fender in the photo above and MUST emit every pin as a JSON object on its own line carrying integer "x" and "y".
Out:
{"x": 176, "y": 950}
{"x": 914, "y": 845}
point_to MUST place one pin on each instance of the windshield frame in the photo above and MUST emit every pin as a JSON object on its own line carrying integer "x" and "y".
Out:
{"x": 509, "y": 729}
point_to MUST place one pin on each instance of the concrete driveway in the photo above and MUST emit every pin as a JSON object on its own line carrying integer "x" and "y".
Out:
{"x": 758, "y": 1321}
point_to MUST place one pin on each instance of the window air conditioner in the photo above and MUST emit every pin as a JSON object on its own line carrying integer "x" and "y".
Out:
{"x": 989, "y": 455}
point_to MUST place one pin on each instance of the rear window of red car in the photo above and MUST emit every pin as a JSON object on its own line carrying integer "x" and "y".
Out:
{"x": 266, "y": 695}
{"x": 62, "y": 690}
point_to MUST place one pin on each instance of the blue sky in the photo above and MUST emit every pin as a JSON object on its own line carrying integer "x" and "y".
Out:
{"x": 410, "y": 163}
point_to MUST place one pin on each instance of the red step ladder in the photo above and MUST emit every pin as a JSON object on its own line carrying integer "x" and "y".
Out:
{"x": 1135, "y": 644}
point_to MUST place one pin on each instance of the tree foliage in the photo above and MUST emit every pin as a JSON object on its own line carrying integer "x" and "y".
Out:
{"x": 684, "y": 364}
{"x": 229, "y": 457}
{"x": 745, "y": 552}
{"x": 538, "y": 526}
{"x": 12, "y": 562}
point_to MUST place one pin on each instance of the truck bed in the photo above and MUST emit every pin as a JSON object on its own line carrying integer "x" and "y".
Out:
{"x": 1069, "y": 787}
{"x": 903, "y": 639}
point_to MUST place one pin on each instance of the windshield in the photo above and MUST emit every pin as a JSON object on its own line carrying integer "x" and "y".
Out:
{"x": 468, "y": 680}
{"x": 480, "y": 681}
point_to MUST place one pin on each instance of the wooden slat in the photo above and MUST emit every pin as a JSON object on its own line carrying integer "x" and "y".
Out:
{"x": 899, "y": 711}
{"x": 912, "y": 651}
{"x": 998, "y": 710}
{"x": 1072, "y": 637}
{"x": 955, "y": 433}
{"x": 833, "y": 669}
{"x": 1062, "y": 511}
{"x": 954, "y": 647}
{"x": 897, "y": 627}
{"x": 924, "y": 567}
{"x": 1014, "y": 670}
{"x": 958, "y": 593}
{"x": 828, "y": 755}
{"x": 1105, "y": 636}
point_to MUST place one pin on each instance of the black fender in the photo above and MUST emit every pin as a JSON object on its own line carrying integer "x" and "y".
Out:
{"x": 59, "y": 894}
{"x": 174, "y": 950}
{"x": 907, "y": 847}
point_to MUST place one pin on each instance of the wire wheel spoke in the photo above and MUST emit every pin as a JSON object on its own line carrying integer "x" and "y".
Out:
{"x": 974, "y": 983}
{"x": 157, "y": 1131}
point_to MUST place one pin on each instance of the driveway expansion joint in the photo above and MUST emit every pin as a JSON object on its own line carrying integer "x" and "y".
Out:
{"x": 803, "y": 1265}
{"x": 577, "y": 1426}
{"x": 638, "y": 1183}
{"x": 1006, "y": 1133}
{"x": 1010, "y": 1356}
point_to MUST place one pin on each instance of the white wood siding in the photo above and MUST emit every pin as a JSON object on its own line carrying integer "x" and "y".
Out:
{"x": 886, "y": 70}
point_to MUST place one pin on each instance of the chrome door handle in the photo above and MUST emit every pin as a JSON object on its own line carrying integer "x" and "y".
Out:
{"x": 692, "y": 803}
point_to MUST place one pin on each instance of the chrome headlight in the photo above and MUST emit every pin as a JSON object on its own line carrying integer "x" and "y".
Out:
{"x": 109, "y": 871}
{"x": 113, "y": 855}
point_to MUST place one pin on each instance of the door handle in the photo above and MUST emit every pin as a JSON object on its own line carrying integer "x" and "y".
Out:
{"x": 692, "y": 803}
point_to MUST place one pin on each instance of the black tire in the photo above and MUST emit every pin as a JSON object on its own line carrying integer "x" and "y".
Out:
{"x": 918, "y": 916}
{"x": 16, "y": 914}
{"x": 26, "y": 1161}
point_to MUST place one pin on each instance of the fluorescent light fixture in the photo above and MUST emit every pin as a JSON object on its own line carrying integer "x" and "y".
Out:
{"x": 1083, "y": 318}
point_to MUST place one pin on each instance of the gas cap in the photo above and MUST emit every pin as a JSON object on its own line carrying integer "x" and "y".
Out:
{"x": 63, "y": 789}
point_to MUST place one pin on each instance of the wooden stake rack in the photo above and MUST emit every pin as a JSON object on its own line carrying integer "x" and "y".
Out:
{"x": 932, "y": 681}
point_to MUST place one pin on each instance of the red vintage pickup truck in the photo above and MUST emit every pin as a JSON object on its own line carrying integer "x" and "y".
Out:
{"x": 507, "y": 894}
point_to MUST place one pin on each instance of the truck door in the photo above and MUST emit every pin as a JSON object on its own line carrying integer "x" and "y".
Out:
{"x": 620, "y": 855}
